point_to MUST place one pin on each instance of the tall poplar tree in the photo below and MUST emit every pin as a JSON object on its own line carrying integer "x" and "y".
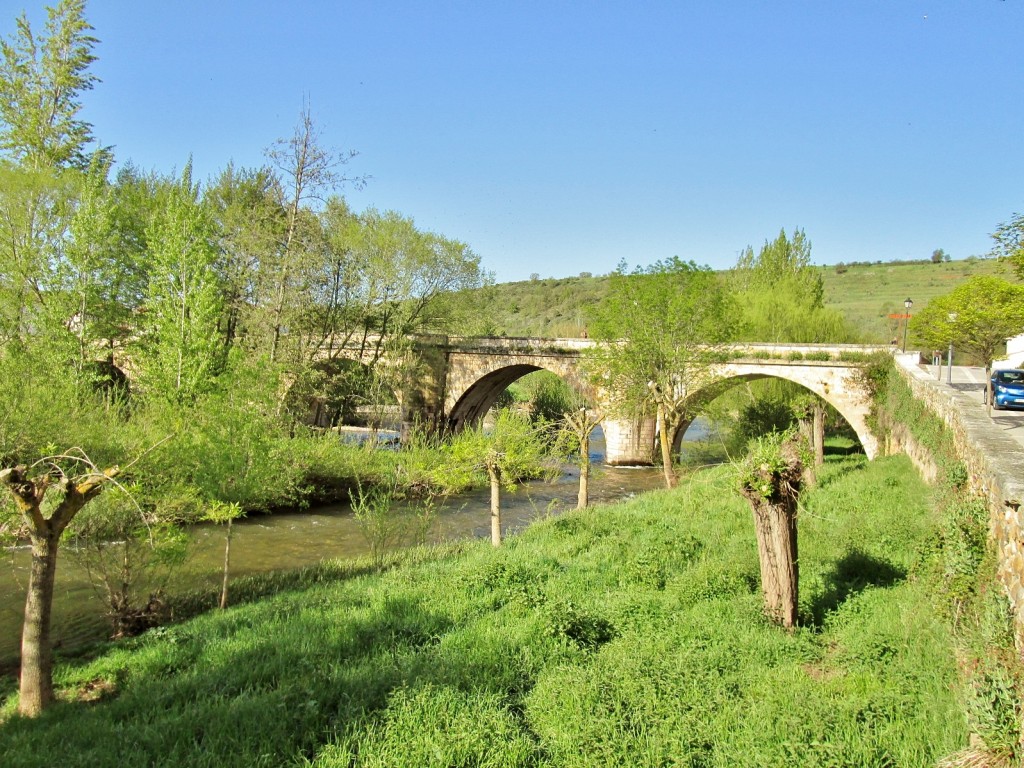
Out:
{"x": 180, "y": 353}
{"x": 41, "y": 81}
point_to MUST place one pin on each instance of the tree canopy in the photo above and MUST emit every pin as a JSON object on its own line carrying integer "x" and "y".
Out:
{"x": 976, "y": 317}
{"x": 42, "y": 78}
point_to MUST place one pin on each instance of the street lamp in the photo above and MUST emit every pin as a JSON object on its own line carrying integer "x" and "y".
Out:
{"x": 906, "y": 321}
{"x": 949, "y": 355}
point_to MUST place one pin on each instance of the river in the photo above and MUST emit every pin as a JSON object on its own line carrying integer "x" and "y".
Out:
{"x": 287, "y": 540}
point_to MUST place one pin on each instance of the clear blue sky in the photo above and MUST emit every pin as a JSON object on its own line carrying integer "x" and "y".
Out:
{"x": 560, "y": 137}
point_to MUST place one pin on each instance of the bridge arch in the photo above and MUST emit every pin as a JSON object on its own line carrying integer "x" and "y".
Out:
{"x": 480, "y": 395}
{"x": 837, "y": 386}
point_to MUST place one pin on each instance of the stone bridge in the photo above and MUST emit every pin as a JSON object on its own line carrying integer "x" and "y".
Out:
{"x": 459, "y": 379}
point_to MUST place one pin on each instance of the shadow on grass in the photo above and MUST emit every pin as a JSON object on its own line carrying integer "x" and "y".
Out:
{"x": 268, "y": 679}
{"x": 852, "y": 573}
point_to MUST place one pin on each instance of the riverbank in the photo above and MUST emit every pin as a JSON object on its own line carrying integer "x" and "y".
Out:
{"x": 626, "y": 634}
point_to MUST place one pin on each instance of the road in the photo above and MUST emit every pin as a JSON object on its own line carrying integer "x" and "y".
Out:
{"x": 971, "y": 381}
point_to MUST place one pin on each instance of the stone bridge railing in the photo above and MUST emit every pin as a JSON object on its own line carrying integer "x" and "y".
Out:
{"x": 995, "y": 466}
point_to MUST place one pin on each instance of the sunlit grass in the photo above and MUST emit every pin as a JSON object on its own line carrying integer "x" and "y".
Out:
{"x": 629, "y": 634}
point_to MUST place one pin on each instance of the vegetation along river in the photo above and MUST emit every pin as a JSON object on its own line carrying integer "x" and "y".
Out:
{"x": 264, "y": 543}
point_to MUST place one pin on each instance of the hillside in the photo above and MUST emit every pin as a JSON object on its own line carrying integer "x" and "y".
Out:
{"x": 865, "y": 293}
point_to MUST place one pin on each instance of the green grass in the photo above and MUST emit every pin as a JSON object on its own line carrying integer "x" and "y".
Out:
{"x": 629, "y": 634}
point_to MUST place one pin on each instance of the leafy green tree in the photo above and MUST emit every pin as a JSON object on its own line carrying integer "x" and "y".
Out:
{"x": 976, "y": 317}
{"x": 1009, "y": 243}
{"x": 513, "y": 450}
{"x": 306, "y": 171}
{"x": 180, "y": 351}
{"x": 41, "y": 81}
{"x": 577, "y": 426}
{"x": 249, "y": 220}
{"x": 59, "y": 448}
{"x": 782, "y": 295}
{"x": 662, "y": 328}
{"x": 33, "y": 216}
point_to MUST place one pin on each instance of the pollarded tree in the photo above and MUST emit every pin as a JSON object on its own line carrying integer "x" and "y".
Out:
{"x": 976, "y": 317}
{"x": 662, "y": 328}
{"x": 43, "y": 405}
{"x": 770, "y": 479}
{"x": 513, "y": 450}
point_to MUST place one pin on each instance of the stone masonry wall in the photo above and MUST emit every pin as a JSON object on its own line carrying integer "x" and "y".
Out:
{"x": 995, "y": 464}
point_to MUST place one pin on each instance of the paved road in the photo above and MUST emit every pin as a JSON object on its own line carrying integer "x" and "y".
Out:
{"x": 971, "y": 381}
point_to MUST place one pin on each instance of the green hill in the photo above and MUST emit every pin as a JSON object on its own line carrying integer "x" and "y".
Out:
{"x": 865, "y": 293}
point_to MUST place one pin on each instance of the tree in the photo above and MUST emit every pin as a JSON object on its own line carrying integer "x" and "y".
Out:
{"x": 1009, "y": 243}
{"x": 28, "y": 487}
{"x": 976, "y": 317}
{"x": 33, "y": 217}
{"x": 41, "y": 80}
{"x": 939, "y": 256}
{"x": 249, "y": 221}
{"x": 514, "y": 449}
{"x": 781, "y": 294}
{"x": 43, "y": 405}
{"x": 306, "y": 169}
{"x": 179, "y": 354}
{"x": 770, "y": 480}
{"x": 662, "y": 327}
{"x": 579, "y": 425}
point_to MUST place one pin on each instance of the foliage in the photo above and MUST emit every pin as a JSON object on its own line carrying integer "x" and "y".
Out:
{"x": 767, "y": 464}
{"x": 41, "y": 81}
{"x": 665, "y": 324}
{"x": 1009, "y": 243}
{"x": 976, "y": 317}
{"x": 130, "y": 553}
{"x": 456, "y": 657}
{"x": 514, "y": 447}
{"x": 373, "y": 509}
{"x": 180, "y": 351}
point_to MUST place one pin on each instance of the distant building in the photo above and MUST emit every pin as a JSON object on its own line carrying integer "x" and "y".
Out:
{"x": 1014, "y": 354}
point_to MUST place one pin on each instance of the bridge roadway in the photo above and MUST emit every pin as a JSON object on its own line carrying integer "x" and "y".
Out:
{"x": 970, "y": 381}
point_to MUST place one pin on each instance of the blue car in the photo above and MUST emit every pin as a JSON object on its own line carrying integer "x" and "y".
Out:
{"x": 1008, "y": 389}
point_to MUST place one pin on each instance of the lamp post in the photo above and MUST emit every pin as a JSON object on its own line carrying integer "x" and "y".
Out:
{"x": 949, "y": 355}
{"x": 906, "y": 321}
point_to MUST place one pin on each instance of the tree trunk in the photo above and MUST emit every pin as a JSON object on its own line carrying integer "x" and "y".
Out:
{"x": 36, "y": 691}
{"x": 806, "y": 425}
{"x": 495, "y": 475}
{"x": 227, "y": 563}
{"x": 584, "y": 495}
{"x": 36, "y": 653}
{"x": 775, "y": 524}
{"x": 819, "y": 434}
{"x": 666, "y": 448}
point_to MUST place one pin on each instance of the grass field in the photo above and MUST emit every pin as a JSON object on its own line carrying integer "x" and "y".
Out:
{"x": 865, "y": 293}
{"x": 629, "y": 634}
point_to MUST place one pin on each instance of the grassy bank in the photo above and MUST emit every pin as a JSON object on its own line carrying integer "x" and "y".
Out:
{"x": 625, "y": 635}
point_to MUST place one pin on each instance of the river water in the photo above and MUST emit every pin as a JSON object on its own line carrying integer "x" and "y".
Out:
{"x": 293, "y": 539}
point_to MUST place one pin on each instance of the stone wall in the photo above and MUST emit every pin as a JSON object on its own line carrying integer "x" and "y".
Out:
{"x": 995, "y": 465}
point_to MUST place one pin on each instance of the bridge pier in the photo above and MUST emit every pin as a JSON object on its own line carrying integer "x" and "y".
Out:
{"x": 629, "y": 442}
